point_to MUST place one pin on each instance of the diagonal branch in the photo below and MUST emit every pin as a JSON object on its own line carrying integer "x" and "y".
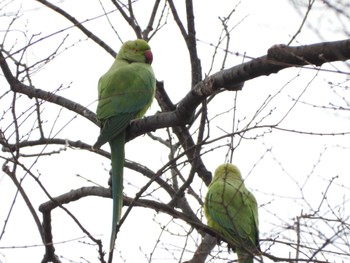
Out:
{"x": 149, "y": 27}
{"x": 79, "y": 25}
{"x": 131, "y": 20}
{"x": 278, "y": 57}
{"x": 31, "y": 92}
{"x": 177, "y": 19}
{"x": 191, "y": 43}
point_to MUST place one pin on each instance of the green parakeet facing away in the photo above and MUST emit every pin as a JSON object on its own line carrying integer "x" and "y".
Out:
{"x": 125, "y": 92}
{"x": 232, "y": 211}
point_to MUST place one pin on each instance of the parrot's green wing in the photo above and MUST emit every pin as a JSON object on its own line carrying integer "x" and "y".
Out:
{"x": 232, "y": 210}
{"x": 125, "y": 93}
{"x": 122, "y": 84}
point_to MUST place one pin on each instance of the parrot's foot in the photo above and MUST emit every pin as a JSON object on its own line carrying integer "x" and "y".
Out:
{"x": 231, "y": 248}
{"x": 95, "y": 147}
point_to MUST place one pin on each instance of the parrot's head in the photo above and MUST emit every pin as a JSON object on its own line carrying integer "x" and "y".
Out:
{"x": 136, "y": 51}
{"x": 227, "y": 170}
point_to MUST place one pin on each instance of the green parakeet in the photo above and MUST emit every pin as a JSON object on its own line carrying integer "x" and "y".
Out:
{"x": 125, "y": 92}
{"x": 232, "y": 211}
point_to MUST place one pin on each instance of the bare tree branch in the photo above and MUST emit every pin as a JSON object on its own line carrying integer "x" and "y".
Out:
{"x": 79, "y": 25}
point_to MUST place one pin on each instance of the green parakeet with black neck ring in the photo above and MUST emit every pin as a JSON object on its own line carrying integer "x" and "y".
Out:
{"x": 125, "y": 92}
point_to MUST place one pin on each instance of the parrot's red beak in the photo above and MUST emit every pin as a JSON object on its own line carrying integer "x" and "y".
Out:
{"x": 149, "y": 56}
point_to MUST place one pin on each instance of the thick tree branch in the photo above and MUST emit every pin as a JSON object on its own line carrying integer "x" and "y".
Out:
{"x": 208, "y": 242}
{"x": 279, "y": 57}
{"x": 77, "y": 194}
{"x": 49, "y": 255}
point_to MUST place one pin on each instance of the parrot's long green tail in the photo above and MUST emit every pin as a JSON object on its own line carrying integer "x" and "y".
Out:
{"x": 117, "y": 157}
